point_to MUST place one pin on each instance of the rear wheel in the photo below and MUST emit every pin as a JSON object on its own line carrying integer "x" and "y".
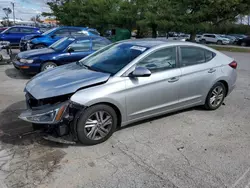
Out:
{"x": 48, "y": 65}
{"x": 96, "y": 124}
{"x": 219, "y": 42}
{"x": 203, "y": 41}
{"x": 215, "y": 96}
{"x": 243, "y": 44}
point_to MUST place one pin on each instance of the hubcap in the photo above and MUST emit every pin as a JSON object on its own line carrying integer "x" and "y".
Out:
{"x": 98, "y": 125}
{"x": 49, "y": 67}
{"x": 217, "y": 96}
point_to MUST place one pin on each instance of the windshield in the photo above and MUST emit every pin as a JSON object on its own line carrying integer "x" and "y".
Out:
{"x": 62, "y": 43}
{"x": 49, "y": 31}
{"x": 113, "y": 58}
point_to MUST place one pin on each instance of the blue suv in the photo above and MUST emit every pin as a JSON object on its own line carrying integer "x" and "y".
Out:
{"x": 53, "y": 35}
{"x": 14, "y": 34}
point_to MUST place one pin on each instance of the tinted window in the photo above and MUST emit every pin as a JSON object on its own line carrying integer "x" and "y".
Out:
{"x": 209, "y": 55}
{"x": 192, "y": 56}
{"x": 26, "y": 30}
{"x": 98, "y": 43}
{"x": 113, "y": 58}
{"x": 62, "y": 43}
{"x": 94, "y": 32}
{"x": 14, "y": 30}
{"x": 80, "y": 45}
{"x": 62, "y": 33}
{"x": 160, "y": 61}
{"x": 74, "y": 31}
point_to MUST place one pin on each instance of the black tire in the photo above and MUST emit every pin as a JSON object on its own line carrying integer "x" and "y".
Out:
{"x": 80, "y": 127}
{"x": 219, "y": 42}
{"x": 39, "y": 46}
{"x": 203, "y": 41}
{"x": 45, "y": 65}
{"x": 243, "y": 44}
{"x": 208, "y": 104}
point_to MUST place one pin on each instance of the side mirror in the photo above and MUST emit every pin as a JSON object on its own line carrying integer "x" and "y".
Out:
{"x": 140, "y": 72}
{"x": 53, "y": 36}
{"x": 70, "y": 50}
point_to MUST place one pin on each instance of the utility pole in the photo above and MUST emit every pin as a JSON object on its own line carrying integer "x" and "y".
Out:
{"x": 13, "y": 10}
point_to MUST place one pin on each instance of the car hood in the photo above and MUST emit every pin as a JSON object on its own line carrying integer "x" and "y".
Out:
{"x": 63, "y": 80}
{"x": 38, "y": 52}
{"x": 32, "y": 36}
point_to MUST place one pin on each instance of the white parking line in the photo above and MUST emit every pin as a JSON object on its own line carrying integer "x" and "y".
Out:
{"x": 242, "y": 177}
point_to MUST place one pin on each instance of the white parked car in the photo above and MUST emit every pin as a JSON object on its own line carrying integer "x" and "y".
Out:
{"x": 214, "y": 38}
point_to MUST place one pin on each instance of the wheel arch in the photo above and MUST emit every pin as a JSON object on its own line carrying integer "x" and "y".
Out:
{"x": 117, "y": 111}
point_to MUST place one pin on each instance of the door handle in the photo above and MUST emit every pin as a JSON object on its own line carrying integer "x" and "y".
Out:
{"x": 174, "y": 79}
{"x": 211, "y": 70}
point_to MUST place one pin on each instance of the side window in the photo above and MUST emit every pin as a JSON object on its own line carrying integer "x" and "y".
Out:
{"x": 209, "y": 55}
{"x": 62, "y": 33}
{"x": 26, "y": 30}
{"x": 160, "y": 60}
{"x": 14, "y": 30}
{"x": 192, "y": 56}
{"x": 98, "y": 44}
{"x": 80, "y": 46}
{"x": 213, "y": 36}
{"x": 74, "y": 31}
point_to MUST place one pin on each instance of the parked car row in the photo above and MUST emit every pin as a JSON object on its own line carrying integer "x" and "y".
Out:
{"x": 233, "y": 39}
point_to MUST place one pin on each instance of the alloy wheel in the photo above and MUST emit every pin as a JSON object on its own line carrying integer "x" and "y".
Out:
{"x": 49, "y": 66}
{"x": 98, "y": 125}
{"x": 217, "y": 96}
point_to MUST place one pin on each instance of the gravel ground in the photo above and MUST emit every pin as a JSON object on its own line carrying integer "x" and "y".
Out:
{"x": 192, "y": 148}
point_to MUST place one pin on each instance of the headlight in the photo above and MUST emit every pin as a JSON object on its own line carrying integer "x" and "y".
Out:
{"x": 26, "y": 61}
{"x": 50, "y": 117}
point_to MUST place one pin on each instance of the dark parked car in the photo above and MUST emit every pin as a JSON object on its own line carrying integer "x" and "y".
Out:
{"x": 49, "y": 37}
{"x": 14, "y": 34}
{"x": 64, "y": 51}
{"x": 244, "y": 41}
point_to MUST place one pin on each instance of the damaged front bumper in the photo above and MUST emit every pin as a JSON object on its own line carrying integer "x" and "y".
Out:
{"x": 56, "y": 119}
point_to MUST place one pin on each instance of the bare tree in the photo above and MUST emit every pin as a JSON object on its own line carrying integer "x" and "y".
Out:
{"x": 7, "y": 12}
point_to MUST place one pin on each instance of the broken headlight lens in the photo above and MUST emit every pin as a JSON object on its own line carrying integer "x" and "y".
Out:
{"x": 50, "y": 117}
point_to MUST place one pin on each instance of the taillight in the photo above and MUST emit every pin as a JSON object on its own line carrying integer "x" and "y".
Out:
{"x": 233, "y": 64}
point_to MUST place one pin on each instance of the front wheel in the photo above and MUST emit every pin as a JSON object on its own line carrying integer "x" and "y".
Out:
{"x": 96, "y": 124}
{"x": 48, "y": 65}
{"x": 215, "y": 96}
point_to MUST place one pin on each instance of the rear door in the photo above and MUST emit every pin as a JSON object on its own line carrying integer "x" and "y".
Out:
{"x": 26, "y": 31}
{"x": 12, "y": 35}
{"x": 198, "y": 70}
{"x": 81, "y": 49}
{"x": 60, "y": 33}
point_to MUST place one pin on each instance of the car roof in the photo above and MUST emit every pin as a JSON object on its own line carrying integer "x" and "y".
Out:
{"x": 149, "y": 43}
{"x": 73, "y": 27}
{"x": 88, "y": 37}
{"x": 23, "y": 26}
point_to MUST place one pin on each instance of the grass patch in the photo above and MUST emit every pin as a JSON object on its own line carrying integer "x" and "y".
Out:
{"x": 231, "y": 49}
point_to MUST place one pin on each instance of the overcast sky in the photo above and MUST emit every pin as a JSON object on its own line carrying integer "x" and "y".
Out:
{"x": 24, "y": 9}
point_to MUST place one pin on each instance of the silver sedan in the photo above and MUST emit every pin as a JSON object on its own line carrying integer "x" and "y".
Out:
{"x": 126, "y": 82}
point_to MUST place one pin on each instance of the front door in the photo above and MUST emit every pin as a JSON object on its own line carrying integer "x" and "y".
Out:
{"x": 80, "y": 49}
{"x": 157, "y": 93}
{"x": 198, "y": 71}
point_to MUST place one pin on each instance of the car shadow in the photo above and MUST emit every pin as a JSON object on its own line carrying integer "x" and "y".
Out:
{"x": 18, "y": 132}
{"x": 15, "y": 131}
{"x": 16, "y": 74}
